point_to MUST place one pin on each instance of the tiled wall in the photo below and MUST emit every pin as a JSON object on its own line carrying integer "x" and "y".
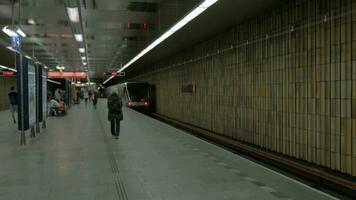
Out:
{"x": 5, "y": 84}
{"x": 285, "y": 81}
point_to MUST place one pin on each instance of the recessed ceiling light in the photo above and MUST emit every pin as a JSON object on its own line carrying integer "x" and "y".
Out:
{"x": 31, "y": 21}
{"x": 73, "y": 14}
{"x": 82, "y": 50}
{"x": 78, "y": 37}
{"x": 84, "y": 58}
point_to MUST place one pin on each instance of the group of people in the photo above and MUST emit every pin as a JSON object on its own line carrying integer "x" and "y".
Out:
{"x": 56, "y": 104}
{"x": 87, "y": 95}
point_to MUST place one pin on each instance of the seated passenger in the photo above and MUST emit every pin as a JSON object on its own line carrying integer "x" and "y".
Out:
{"x": 62, "y": 106}
{"x": 53, "y": 107}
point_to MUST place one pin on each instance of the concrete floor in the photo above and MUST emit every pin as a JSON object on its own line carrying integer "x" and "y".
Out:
{"x": 76, "y": 158}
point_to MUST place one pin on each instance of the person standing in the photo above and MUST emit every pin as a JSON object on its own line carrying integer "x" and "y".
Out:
{"x": 13, "y": 103}
{"x": 78, "y": 96}
{"x": 57, "y": 95}
{"x": 115, "y": 113}
{"x": 95, "y": 98}
{"x": 86, "y": 96}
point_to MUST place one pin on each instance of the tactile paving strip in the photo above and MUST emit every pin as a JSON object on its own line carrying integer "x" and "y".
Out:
{"x": 119, "y": 185}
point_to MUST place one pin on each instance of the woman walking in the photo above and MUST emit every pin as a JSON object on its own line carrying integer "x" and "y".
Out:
{"x": 115, "y": 113}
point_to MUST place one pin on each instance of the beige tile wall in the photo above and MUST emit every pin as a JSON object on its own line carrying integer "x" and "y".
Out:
{"x": 287, "y": 85}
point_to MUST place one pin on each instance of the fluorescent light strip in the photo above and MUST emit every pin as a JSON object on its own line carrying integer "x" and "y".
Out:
{"x": 55, "y": 82}
{"x": 193, "y": 14}
{"x": 8, "y": 68}
{"x": 9, "y": 32}
{"x": 11, "y": 49}
{"x": 73, "y": 14}
{"x": 78, "y": 37}
{"x": 20, "y": 32}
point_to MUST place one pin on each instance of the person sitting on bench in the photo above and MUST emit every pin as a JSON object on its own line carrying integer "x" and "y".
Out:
{"x": 53, "y": 107}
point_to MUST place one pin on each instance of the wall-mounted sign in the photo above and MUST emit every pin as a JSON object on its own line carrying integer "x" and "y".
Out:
{"x": 16, "y": 42}
{"x": 115, "y": 74}
{"x": 58, "y": 75}
{"x": 189, "y": 88}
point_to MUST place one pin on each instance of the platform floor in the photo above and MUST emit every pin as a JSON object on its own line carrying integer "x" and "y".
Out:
{"x": 76, "y": 158}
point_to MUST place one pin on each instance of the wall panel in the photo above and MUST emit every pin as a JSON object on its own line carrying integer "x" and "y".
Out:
{"x": 284, "y": 81}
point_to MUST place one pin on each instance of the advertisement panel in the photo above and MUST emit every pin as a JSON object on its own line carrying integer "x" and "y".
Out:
{"x": 44, "y": 94}
{"x": 26, "y": 86}
{"x": 31, "y": 93}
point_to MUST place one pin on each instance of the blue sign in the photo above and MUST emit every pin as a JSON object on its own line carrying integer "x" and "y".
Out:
{"x": 16, "y": 40}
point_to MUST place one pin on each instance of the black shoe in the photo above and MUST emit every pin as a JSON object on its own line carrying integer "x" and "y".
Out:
{"x": 117, "y": 137}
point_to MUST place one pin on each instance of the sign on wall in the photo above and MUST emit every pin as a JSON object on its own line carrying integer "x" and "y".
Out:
{"x": 62, "y": 75}
{"x": 189, "y": 88}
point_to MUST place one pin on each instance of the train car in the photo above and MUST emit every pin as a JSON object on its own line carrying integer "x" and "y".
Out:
{"x": 137, "y": 95}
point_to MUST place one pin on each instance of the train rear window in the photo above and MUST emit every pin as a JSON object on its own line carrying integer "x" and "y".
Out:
{"x": 138, "y": 92}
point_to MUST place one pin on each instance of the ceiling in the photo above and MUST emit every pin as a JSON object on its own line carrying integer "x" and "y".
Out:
{"x": 114, "y": 30}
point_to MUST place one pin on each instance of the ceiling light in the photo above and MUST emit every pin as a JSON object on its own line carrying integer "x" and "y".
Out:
{"x": 8, "y": 68}
{"x": 11, "y": 49}
{"x": 52, "y": 81}
{"x": 60, "y": 67}
{"x": 193, "y": 14}
{"x": 9, "y": 32}
{"x": 82, "y": 50}
{"x": 31, "y": 21}
{"x": 28, "y": 57}
{"x": 20, "y": 32}
{"x": 13, "y": 32}
{"x": 78, "y": 37}
{"x": 84, "y": 63}
{"x": 73, "y": 14}
{"x": 84, "y": 58}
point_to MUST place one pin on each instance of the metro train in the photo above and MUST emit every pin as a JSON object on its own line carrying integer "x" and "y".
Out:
{"x": 136, "y": 95}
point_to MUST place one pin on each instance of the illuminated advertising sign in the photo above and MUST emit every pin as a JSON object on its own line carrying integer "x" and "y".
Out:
{"x": 44, "y": 93}
{"x": 7, "y": 73}
{"x": 60, "y": 75}
{"x": 27, "y": 93}
{"x": 32, "y": 93}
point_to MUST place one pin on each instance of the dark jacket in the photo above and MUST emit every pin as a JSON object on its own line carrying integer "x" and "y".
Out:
{"x": 95, "y": 97}
{"x": 114, "y": 99}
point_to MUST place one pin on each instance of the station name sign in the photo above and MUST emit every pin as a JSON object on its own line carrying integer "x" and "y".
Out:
{"x": 60, "y": 75}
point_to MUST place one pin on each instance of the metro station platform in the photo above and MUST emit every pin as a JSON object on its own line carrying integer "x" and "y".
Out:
{"x": 76, "y": 158}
